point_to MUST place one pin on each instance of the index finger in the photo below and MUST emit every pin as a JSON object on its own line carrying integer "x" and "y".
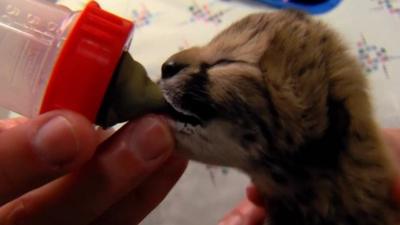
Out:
{"x": 10, "y": 123}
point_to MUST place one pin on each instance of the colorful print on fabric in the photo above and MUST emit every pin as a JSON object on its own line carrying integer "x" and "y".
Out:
{"x": 372, "y": 57}
{"x": 390, "y": 6}
{"x": 142, "y": 16}
{"x": 207, "y": 12}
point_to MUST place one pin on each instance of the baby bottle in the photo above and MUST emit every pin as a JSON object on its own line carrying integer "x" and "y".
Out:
{"x": 54, "y": 58}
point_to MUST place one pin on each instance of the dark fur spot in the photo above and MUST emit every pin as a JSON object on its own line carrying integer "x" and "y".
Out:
{"x": 318, "y": 154}
{"x": 324, "y": 39}
{"x": 249, "y": 137}
{"x": 288, "y": 210}
{"x": 196, "y": 97}
{"x": 364, "y": 163}
{"x": 302, "y": 70}
{"x": 278, "y": 175}
{"x": 260, "y": 26}
{"x": 305, "y": 195}
{"x": 204, "y": 67}
{"x": 289, "y": 139}
{"x": 364, "y": 218}
{"x": 267, "y": 128}
{"x": 305, "y": 68}
{"x": 307, "y": 33}
{"x": 233, "y": 109}
{"x": 359, "y": 136}
{"x": 285, "y": 211}
{"x": 324, "y": 152}
{"x": 300, "y": 15}
{"x": 270, "y": 104}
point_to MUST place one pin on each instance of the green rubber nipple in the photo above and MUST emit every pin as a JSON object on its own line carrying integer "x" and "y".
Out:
{"x": 131, "y": 94}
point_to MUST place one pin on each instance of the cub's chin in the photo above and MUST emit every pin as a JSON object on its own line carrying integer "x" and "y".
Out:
{"x": 208, "y": 142}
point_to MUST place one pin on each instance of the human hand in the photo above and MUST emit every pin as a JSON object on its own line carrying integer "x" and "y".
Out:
{"x": 249, "y": 211}
{"x": 53, "y": 170}
{"x": 392, "y": 139}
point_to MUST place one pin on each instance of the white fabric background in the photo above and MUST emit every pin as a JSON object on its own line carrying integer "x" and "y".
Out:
{"x": 164, "y": 27}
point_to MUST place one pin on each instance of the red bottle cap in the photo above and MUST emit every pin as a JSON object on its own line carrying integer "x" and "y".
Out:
{"x": 87, "y": 61}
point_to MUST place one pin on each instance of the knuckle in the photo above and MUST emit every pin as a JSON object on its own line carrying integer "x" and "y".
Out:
{"x": 6, "y": 178}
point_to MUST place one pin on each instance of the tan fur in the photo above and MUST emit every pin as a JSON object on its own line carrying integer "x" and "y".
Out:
{"x": 303, "y": 64}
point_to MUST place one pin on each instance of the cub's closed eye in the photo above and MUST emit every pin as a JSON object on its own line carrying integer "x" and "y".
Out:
{"x": 227, "y": 61}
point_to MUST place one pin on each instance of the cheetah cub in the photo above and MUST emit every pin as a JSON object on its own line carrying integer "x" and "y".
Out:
{"x": 278, "y": 96}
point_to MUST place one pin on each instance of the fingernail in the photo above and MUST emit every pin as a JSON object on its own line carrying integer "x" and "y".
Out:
{"x": 55, "y": 142}
{"x": 234, "y": 219}
{"x": 151, "y": 139}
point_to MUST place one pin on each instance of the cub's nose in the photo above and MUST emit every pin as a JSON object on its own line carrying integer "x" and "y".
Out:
{"x": 171, "y": 68}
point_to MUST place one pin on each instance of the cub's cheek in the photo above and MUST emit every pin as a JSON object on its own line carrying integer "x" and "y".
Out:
{"x": 183, "y": 149}
{"x": 172, "y": 92}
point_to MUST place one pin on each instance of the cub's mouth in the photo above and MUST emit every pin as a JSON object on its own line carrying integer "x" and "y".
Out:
{"x": 183, "y": 116}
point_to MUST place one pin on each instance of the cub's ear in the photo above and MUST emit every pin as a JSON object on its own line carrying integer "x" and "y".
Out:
{"x": 245, "y": 40}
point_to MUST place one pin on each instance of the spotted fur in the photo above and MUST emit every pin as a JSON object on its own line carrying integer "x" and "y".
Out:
{"x": 278, "y": 96}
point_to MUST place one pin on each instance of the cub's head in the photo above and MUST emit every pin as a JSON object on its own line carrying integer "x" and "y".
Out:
{"x": 262, "y": 88}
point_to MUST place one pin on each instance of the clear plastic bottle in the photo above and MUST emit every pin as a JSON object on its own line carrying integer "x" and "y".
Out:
{"x": 52, "y": 57}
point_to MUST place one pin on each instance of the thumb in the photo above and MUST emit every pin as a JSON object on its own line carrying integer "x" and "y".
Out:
{"x": 40, "y": 150}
